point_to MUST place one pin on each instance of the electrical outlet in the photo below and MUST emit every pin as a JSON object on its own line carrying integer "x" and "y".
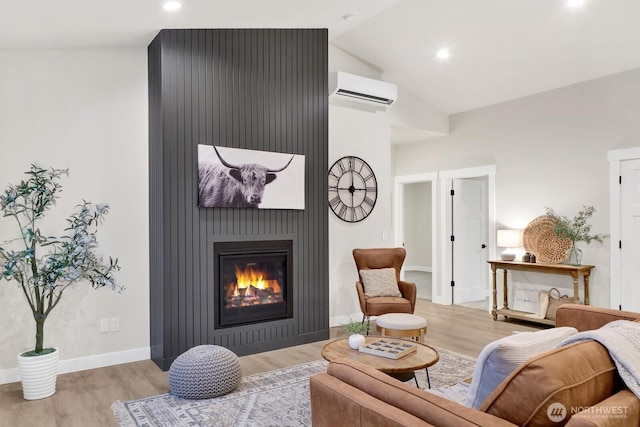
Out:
{"x": 103, "y": 326}
{"x": 385, "y": 235}
{"x": 115, "y": 324}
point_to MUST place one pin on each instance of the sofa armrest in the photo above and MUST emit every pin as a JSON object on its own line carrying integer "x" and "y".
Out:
{"x": 586, "y": 317}
{"x": 335, "y": 403}
{"x": 419, "y": 403}
{"x": 621, "y": 409}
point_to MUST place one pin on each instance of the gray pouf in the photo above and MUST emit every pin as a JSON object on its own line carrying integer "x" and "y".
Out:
{"x": 204, "y": 372}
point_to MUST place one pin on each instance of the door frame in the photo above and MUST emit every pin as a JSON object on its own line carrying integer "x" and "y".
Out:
{"x": 616, "y": 157}
{"x": 398, "y": 216}
{"x": 441, "y": 183}
{"x": 444, "y": 292}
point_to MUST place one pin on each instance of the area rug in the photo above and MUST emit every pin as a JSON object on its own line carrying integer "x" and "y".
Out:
{"x": 275, "y": 398}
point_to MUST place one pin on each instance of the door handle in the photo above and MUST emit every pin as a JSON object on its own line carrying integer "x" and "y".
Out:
{"x": 484, "y": 246}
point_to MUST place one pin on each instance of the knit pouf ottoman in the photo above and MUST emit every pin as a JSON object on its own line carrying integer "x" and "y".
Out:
{"x": 204, "y": 372}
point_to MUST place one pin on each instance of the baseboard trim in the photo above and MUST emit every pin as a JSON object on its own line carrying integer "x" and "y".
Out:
{"x": 343, "y": 320}
{"x": 84, "y": 363}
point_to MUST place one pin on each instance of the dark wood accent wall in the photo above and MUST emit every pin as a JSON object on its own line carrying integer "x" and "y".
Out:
{"x": 255, "y": 89}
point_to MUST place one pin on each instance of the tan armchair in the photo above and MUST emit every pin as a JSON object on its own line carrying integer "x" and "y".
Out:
{"x": 368, "y": 259}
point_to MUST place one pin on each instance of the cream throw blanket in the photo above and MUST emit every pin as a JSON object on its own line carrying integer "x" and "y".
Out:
{"x": 622, "y": 340}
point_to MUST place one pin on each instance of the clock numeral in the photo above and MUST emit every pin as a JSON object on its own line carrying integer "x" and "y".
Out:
{"x": 333, "y": 174}
{"x": 371, "y": 189}
{"x": 341, "y": 166}
{"x": 342, "y": 211}
{"x": 368, "y": 177}
{"x": 334, "y": 202}
{"x": 369, "y": 201}
{"x": 351, "y": 163}
{"x": 363, "y": 211}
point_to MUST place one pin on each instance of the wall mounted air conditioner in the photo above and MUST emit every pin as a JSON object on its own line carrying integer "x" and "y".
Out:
{"x": 362, "y": 88}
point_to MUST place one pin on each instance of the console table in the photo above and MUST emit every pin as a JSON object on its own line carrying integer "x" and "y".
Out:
{"x": 575, "y": 271}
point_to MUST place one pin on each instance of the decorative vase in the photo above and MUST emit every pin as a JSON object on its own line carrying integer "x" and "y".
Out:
{"x": 356, "y": 341}
{"x": 38, "y": 374}
{"x": 574, "y": 255}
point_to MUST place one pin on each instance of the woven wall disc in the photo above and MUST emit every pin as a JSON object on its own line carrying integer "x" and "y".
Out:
{"x": 541, "y": 240}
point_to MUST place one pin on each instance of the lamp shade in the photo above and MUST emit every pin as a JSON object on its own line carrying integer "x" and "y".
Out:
{"x": 509, "y": 238}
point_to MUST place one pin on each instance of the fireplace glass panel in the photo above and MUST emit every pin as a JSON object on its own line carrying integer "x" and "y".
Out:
{"x": 253, "y": 282}
{"x": 247, "y": 282}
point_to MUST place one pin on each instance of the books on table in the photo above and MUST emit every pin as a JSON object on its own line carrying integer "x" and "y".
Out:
{"x": 389, "y": 348}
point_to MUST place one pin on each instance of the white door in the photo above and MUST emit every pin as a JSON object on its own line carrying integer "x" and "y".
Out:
{"x": 469, "y": 228}
{"x": 630, "y": 235}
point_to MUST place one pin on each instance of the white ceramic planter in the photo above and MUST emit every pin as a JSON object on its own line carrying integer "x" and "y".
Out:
{"x": 356, "y": 341}
{"x": 38, "y": 374}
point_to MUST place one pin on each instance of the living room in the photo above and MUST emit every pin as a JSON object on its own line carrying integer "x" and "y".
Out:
{"x": 85, "y": 106}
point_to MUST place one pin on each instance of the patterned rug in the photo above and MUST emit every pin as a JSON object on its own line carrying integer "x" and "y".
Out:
{"x": 275, "y": 398}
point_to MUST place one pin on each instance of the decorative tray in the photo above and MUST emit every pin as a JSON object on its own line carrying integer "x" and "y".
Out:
{"x": 389, "y": 348}
{"x": 540, "y": 239}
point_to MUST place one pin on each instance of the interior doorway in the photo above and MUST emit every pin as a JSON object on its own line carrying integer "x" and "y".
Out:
{"x": 467, "y": 235}
{"x": 414, "y": 229}
{"x": 624, "y": 167}
{"x": 442, "y": 256}
{"x": 418, "y": 239}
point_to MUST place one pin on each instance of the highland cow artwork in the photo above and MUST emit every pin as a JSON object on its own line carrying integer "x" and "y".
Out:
{"x": 238, "y": 178}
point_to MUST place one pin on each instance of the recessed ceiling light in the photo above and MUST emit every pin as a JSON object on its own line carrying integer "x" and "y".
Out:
{"x": 575, "y": 3}
{"x": 172, "y": 6}
{"x": 443, "y": 53}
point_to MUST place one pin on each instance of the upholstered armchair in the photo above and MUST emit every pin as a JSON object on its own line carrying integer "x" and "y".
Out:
{"x": 370, "y": 259}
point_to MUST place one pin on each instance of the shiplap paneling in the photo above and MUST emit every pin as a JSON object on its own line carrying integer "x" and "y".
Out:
{"x": 262, "y": 89}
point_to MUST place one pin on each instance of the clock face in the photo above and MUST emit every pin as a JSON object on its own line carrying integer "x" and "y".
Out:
{"x": 353, "y": 189}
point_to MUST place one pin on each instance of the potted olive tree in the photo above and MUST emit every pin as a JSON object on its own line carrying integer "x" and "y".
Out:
{"x": 44, "y": 266}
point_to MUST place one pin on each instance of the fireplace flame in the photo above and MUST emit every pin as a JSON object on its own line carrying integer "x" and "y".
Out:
{"x": 249, "y": 276}
{"x": 252, "y": 277}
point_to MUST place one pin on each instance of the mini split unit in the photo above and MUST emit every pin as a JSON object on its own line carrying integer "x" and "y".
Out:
{"x": 361, "y": 88}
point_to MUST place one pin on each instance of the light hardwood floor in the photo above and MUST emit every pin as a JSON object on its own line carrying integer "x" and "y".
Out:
{"x": 85, "y": 398}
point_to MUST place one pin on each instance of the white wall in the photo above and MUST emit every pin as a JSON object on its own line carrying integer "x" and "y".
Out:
{"x": 366, "y": 135}
{"x": 411, "y": 112}
{"x": 550, "y": 149}
{"x": 85, "y": 110}
{"x": 417, "y": 224}
{"x": 358, "y": 130}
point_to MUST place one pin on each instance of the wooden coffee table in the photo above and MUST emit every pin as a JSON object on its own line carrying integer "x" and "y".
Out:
{"x": 402, "y": 368}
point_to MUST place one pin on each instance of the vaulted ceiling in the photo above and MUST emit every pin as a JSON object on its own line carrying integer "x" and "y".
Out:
{"x": 500, "y": 49}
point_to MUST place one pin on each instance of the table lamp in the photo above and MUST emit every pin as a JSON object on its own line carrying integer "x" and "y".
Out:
{"x": 509, "y": 239}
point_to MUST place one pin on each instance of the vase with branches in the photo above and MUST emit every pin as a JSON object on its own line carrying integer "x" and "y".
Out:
{"x": 45, "y": 266}
{"x": 576, "y": 229}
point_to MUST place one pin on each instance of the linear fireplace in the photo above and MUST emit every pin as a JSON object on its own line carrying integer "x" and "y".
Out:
{"x": 253, "y": 282}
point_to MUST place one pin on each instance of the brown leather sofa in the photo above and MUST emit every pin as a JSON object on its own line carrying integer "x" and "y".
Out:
{"x": 581, "y": 376}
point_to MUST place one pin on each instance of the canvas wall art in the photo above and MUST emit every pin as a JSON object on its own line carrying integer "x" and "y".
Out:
{"x": 239, "y": 178}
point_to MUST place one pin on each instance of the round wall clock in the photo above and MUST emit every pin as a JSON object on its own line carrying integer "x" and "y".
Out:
{"x": 353, "y": 189}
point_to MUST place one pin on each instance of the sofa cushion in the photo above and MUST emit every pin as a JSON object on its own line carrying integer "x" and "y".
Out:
{"x": 501, "y": 357}
{"x": 575, "y": 376}
{"x": 380, "y": 282}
